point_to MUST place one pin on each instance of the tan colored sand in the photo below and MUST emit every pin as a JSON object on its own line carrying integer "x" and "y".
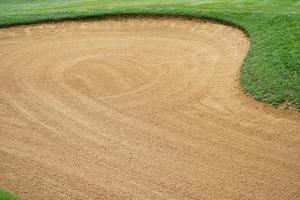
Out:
{"x": 138, "y": 109}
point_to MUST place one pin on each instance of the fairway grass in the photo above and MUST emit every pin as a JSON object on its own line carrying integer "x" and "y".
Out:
{"x": 4, "y": 195}
{"x": 271, "y": 71}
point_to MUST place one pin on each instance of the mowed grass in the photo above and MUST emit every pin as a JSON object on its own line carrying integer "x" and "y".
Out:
{"x": 271, "y": 71}
{"x": 4, "y": 195}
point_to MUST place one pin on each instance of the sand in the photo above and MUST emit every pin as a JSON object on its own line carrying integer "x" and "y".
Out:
{"x": 138, "y": 109}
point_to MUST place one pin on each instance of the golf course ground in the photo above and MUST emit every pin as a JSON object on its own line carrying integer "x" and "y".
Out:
{"x": 149, "y": 99}
{"x": 271, "y": 70}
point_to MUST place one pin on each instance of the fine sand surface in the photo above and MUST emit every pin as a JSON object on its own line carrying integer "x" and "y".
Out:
{"x": 138, "y": 109}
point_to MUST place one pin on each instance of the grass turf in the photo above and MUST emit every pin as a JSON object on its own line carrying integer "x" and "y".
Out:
{"x": 271, "y": 71}
{"x": 4, "y": 195}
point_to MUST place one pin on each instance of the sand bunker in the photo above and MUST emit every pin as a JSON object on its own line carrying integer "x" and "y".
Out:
{"x": 138, "y": 109}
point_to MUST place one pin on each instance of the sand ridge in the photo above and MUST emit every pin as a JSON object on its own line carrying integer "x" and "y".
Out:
{"x": 138, "y": 109}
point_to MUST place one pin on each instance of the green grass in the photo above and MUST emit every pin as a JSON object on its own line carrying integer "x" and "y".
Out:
{"x": 271, "y": 71}
{"x": 4, "y": 195}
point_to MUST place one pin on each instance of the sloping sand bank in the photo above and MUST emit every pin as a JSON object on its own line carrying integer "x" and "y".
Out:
{"x": 138, "y": 109}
